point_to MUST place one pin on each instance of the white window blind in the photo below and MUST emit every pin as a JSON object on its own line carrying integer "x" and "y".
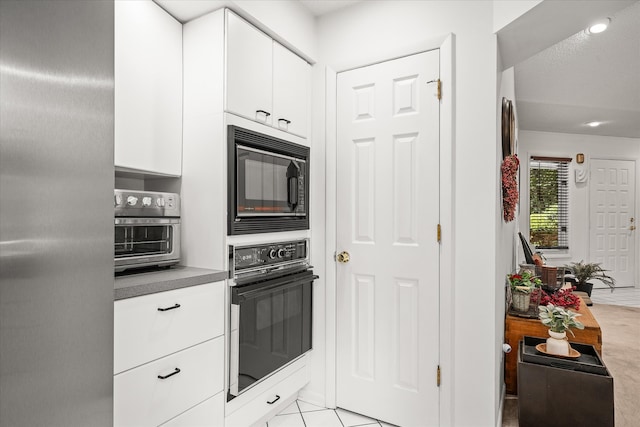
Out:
{"x": 549, "y": 202}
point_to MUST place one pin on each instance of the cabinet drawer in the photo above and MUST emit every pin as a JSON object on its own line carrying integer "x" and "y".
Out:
{"x": 258, "y": 410}
{"x": 143, "y": 333}
{"x": 141, "y": 398}
{"x": 208, "y": 413}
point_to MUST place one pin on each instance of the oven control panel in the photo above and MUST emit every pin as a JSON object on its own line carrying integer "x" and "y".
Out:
{"x": 130, "y": 203}
{"x": 268, "y": 254}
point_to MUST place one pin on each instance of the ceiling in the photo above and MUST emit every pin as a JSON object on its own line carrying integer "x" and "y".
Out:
{"x": 322, "y": 7}
{"x": 584, "y": 78}
{"x": 186, "y": 10}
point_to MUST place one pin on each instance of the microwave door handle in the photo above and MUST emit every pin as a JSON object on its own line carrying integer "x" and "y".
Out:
{"x": 293, "y": 192}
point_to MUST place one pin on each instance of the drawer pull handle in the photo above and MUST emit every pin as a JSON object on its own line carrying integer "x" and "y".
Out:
{"x": 274, "y": 400}
{"x": 285, "y": 120}
{"x": 164, "y": 377}
{"x": 266, "y": 113}
{"x": 169, "y": 308}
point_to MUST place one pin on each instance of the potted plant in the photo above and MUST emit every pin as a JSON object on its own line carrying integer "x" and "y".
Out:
{"x": 522, "y": 286}
{"x": 559, "y": 320}
{"x": 581, "y": 272}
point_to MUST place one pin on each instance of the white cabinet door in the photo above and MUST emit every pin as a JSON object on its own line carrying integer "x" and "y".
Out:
{"x": 151, "y": 326}
{"x": 249, "y": 71}
{"x": 158, "y": 391}
{"x": 208, "y": 413}
{"x": 148, "y": 88}
{"x": 290, "y": 91}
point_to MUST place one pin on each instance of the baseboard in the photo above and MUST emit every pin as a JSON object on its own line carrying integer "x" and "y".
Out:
{"x": 312, "y": 397}
{"x": 501, "y": 407}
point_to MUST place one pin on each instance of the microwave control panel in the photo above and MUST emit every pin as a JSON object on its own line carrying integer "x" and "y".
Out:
{"x": 269, "y": 254}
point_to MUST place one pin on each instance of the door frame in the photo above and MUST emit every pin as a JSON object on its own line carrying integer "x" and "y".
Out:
{"x": 636, "y": 272}
{"x": 446, "y": 45}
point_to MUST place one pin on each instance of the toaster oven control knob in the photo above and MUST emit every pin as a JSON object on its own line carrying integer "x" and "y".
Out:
{"x": 146, "y": 201}
{"x": 132, "y": 200}
{"x": 280, "y": 253}
{"x": 160, "y": 202}
{"x": 118, "y": 199}
{"x": 272, "y": 254}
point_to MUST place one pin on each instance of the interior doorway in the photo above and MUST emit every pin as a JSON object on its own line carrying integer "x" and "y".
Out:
{"x": 612, "y": 218}
{"x": 388, "y": 211}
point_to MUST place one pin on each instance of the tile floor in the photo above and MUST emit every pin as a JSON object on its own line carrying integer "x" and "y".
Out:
{"x": 303, "y": 414}
{"x": 629, "y": 297}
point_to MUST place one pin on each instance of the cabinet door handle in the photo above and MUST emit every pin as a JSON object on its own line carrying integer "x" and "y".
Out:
{"x": 285, "y": 120}
{"x": 169, "y": 308}
{"x": 164, "y": 377}
{"x": 266, "y": 113}
{"x": 271, "y": 402}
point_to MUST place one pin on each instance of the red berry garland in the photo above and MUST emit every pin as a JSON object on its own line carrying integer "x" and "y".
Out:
{"x": 563, "y": 298}
{"x": 509, "y": 171}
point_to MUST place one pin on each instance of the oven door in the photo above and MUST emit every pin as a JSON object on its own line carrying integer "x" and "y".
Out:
{"x": 269, "y": 184}
{"x": 270, "y": 327}
{"x": 142, "y": 242}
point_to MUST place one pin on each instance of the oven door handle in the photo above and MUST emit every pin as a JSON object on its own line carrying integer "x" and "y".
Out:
{"x": 243, "y": 293}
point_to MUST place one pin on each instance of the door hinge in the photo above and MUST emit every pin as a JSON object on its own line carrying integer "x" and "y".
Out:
{"x": 439, "y": 234}
{"x": 439, "y": 87}
{"x": 438, "y": 377}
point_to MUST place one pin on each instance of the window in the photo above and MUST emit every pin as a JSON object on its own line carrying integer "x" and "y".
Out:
{"x": 549, "y": 202}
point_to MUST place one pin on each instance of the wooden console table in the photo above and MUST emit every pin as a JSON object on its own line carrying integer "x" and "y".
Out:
{"x": 517, "y": 327}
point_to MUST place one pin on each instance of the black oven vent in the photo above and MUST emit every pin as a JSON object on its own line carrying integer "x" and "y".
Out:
{"x": 258, "y": 140}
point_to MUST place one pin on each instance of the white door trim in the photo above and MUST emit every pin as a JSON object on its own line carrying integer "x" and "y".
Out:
{"x": 447, "y": 209}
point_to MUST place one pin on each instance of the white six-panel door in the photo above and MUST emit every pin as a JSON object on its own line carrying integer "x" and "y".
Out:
{"x": 612, "y": 218}
{"x": 387, "y": 216}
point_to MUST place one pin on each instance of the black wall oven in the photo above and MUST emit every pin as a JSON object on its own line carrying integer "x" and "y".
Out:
{"x": 268, "y": 183}
{"x": 271, "y": 310}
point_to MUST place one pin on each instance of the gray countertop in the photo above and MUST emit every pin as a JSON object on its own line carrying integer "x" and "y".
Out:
{"x": 138, "y": 284}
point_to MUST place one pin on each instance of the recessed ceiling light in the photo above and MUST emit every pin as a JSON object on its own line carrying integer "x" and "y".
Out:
{"x": 593, "y": 124}
{"x": 598, "y": 27}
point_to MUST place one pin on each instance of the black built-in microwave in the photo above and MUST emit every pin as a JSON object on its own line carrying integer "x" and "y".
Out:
{"x": 268, "y": 183}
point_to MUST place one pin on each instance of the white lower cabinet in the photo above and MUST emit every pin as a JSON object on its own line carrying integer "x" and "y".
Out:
{"x": 151, "y": 326}
{"x": 209, "y": 413}
{"x": 155, "y": 392}
{"x": 169, "y": 358}
{"x": 264, "y": 403}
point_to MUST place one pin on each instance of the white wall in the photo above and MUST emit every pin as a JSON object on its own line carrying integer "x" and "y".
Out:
{"x": 506, "y": 11}
{"x": 289, "y": 20}
{"x": 505, "y": 231}
{"x": 568, "y": 145}
{"x": 372, "y": 30}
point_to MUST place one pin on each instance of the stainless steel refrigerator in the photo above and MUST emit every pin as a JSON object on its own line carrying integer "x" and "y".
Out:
{"x": 56, "y": 213}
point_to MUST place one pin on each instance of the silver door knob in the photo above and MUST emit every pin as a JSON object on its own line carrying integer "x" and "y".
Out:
{"x": 343, "y": 257}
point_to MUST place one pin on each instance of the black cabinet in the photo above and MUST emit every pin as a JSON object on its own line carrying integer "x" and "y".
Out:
{"x": 562, "y": 392}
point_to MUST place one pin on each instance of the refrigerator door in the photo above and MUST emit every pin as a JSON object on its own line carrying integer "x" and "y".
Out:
{"x": 56, "y": 213}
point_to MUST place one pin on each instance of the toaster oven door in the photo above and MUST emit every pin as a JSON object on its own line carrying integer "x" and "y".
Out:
{"x": 141, "y": 242}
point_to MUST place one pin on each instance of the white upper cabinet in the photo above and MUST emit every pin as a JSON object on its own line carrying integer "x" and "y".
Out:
{"x": 148, "y": 89}
{"x": 265, "y": 81}
{"x": 290, "y": 91}
{"x": 249, "y": 71}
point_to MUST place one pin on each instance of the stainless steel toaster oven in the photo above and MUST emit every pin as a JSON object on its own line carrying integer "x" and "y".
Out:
{"x": 147, "y": 229}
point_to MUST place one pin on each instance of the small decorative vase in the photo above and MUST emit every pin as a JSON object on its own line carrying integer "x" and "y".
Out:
{"x": 520, "y": 301}
{"x": 557, "y": 343}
